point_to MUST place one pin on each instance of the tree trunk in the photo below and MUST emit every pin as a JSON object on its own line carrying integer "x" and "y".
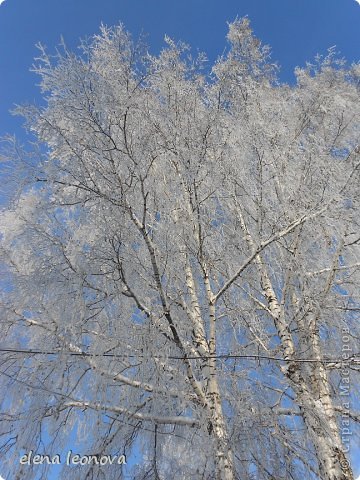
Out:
{"x": 223, "y": 455}
{"x": 217, "y": 427}
{"x": 312, "y": 395}
{"x": 323, "y": 432}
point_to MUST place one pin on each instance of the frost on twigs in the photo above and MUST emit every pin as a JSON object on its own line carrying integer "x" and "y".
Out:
{"x": 180, "y": 259}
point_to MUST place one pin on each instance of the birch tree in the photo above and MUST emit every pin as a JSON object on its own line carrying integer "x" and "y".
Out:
{"x": 181, "y": 263}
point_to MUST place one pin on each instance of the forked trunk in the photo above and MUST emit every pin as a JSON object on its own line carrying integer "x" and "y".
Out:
{"x": 322, "y": 429}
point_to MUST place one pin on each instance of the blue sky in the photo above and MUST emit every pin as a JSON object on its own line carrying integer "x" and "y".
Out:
{"x": 295, "y": 29}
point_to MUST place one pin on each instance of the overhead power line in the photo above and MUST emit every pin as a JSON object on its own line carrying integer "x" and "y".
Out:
{"x": 353, "y": 359}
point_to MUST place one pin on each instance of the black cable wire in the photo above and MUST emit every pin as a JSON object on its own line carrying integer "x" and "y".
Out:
{"x": 352, "y": 359}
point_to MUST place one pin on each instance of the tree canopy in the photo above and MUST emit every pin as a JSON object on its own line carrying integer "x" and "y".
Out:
{"x": 181, "y": 264}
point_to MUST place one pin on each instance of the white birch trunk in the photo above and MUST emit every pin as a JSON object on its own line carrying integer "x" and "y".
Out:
{"x": 322, "y": 428}
{"x": 223, "y": 455}
{"x": 316, "y": 406}
{"x": 312, "y": 395}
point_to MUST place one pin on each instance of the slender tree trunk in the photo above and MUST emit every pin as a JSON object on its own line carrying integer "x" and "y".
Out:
{"x": 313, "y": 397}
{"x": 322, "y": 427}
{"x": 320, "y": 417}
{"x": 328, "y": 445}
{"x": 217, "y": 428}
{"x": 315, "y": 403}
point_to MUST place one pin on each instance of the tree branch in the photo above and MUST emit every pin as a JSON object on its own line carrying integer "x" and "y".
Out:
{"x": 170, "y": 420}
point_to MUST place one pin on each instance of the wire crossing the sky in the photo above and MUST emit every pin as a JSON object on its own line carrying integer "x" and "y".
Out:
{"x": 353, "y": 359}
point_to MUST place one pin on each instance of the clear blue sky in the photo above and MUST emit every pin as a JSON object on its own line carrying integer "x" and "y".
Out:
{"x": 295, "y": 29}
